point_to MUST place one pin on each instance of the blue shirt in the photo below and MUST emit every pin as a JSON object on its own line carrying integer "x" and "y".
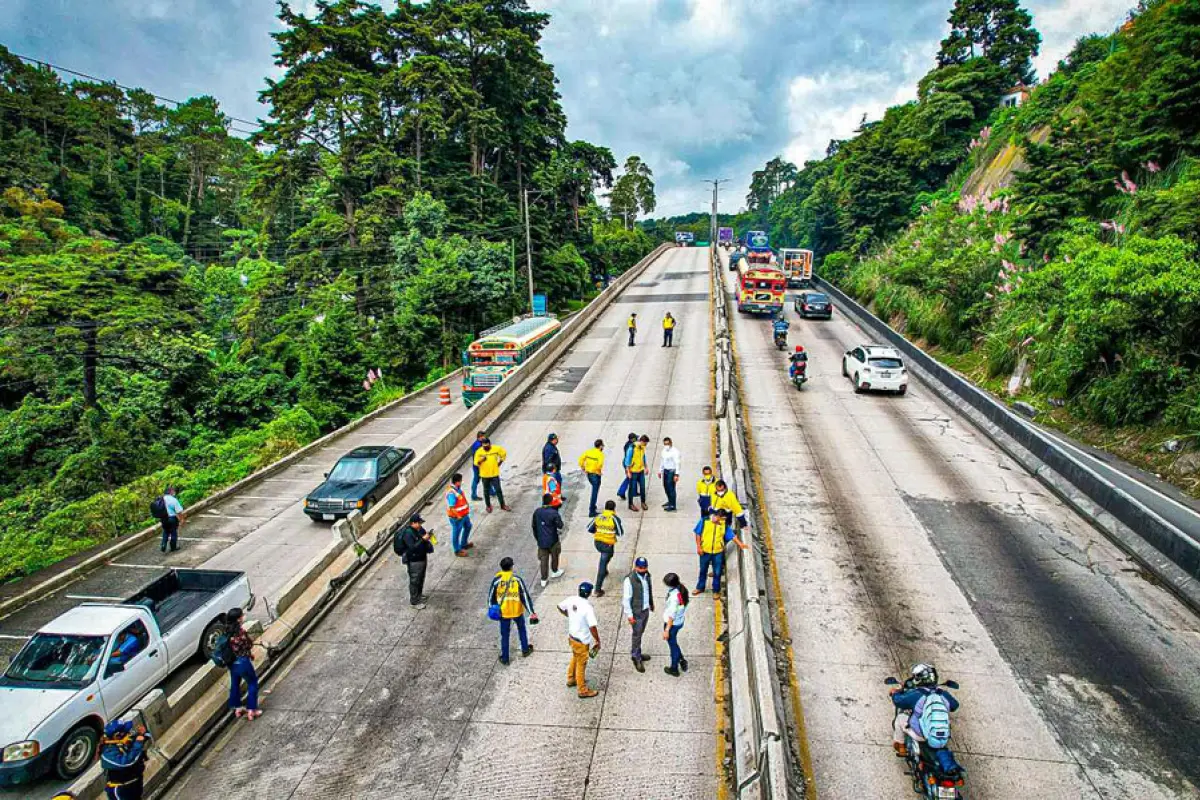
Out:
{"x": 126, "y": 649}
{"x": 174, "y": 509}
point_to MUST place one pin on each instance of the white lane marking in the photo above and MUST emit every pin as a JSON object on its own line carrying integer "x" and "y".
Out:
{"x": 138, "y": 566}
{"x": 10, "y": 636}
{"x": 99, "y": 598}
{"x": 206, "y": 539}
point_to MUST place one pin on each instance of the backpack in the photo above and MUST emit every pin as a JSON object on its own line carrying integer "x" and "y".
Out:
{"x": 158, "y": 507}
{"x": 934, "y": 713}
{"x": 400, "y": 543}
{"x": 222, "y": 652}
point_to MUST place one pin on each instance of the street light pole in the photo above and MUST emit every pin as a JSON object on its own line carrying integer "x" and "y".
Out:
{"x": 712, "y": 226}
{"x": 528, "y": 250}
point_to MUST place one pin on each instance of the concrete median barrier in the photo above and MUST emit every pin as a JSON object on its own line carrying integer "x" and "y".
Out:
{"x": 1169, "y": 552}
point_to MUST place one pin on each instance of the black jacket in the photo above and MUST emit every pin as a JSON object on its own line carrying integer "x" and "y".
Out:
{"x": 415, "y": 547}
{"x": 546, "y": 524}
{"x": 551, "y": 460}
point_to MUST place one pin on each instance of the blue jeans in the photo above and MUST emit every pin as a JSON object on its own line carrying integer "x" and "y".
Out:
{"x": 594, "y": 480}
{"x": 460, "y": 531}
{"x": 717, "y": 560}
{"x": 505, "y": 627}
{"x": 558, "y": 477}
{"x": 475, "y": 479}
{"x": 637, "y": 487}
{"x": 242, "y": 669}
{"x": 673, "y": 644}
{"x": 606, "y": 553}
{"x": 623, "y": 488}
{"x": 669, "y": 487}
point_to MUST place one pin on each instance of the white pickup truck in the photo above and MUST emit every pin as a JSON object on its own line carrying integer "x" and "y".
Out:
{"x": 94, "y": 662}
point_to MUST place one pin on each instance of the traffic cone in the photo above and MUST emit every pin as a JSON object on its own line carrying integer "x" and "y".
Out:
{"x": 444, "y": 395}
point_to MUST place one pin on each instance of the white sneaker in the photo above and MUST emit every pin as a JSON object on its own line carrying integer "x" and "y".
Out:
{"x": 544, "y": 584}
{"x": 558, "y": 573}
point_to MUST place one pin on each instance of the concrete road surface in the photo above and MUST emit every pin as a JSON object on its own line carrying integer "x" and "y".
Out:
{"x": 384, "y": 701}
{"x": 262, "y": 531}
{"x": 903, "y": 535}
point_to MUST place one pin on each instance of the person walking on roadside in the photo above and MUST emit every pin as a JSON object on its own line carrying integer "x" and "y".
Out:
{"x": 414, "y": 544}
{"x": 475, "y": 479}
{"x": 606, "y": 529}
{"x": 458, "y": 510}
{"x": 712, "y": 535}
{"x": 632, "y": 325}
{"x": 123, "y": 759}
{"x": 547, "y": 532}
{"x": 705, "y": 488}
{"x": 167, "y": 509}
{"x": 673, "y": 616}
{"x": 637, "y": 601}
{"x": 509, "y": 594}
{"x": 635, "y": 470}
{"x": 583, "y": 635}
{"x": 592, "y": 464}
{"x": 488, "y": 458}
{"x": 552, "y": 461}
{"x": 630, "y": 443}
{"x": 241, "y": 667}
{"x": 668, "y": 469}
{"x": 668, "y": 330}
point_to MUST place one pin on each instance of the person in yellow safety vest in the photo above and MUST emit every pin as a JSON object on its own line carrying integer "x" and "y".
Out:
{"x": 632, "y": 325}
{"x": 458, "y": 510}
{"x": 705, "y": 487}
{"x": 509, "y": 596}
{"x": 668, "y": 329}
{"x": 712, "y": 534}
{"x": 592, "y": 463}
{"x": 606, "y": 529}
{"x": 727, "y": 501}
{"x": 635, "y": 470}
{"x": 488, "y": 458}
{"x": 552, "y": 487}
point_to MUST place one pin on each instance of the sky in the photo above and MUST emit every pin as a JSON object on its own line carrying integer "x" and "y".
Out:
{"x": 698, "y": 88}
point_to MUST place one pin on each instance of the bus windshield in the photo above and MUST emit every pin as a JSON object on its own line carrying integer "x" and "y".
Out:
{"x": 55, "y": 661}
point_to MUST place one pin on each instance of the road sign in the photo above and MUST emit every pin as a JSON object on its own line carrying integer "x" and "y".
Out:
{"x": 539, "y": 305}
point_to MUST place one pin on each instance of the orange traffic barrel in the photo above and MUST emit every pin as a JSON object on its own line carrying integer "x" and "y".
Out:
{"x": 444, "y": 395}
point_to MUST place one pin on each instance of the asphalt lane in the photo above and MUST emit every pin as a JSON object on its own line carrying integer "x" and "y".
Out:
{"x": 262, "y": 531}
{"x": 386, "y": 701}
{"x": 903, "y": 535}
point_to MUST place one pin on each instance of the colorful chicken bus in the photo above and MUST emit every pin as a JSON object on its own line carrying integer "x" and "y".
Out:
{"x": 761, "y": 289}
{"x": 498, "y": 351}
{"x": 758, "y": 248}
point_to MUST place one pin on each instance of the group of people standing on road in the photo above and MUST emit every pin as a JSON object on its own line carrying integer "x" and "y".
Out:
{"x": 668, "y": 327}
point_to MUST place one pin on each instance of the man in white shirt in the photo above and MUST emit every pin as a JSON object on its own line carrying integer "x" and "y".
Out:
{"x": 582, "y": 635}
{"x": 669, "y": 465}
{"x": 637, "y": 601}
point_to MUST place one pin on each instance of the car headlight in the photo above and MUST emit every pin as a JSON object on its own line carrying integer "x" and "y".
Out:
{"x": 20, "y": 751}
{"x": 306, "y": 503}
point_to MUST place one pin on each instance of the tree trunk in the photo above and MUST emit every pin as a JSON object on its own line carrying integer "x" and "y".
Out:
{"x": 187, "y": 209}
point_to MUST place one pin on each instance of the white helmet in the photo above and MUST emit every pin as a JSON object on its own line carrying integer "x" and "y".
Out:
{"x": 924, "y": 675}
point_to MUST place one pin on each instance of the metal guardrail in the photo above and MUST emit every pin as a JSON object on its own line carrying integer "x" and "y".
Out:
{"x": 1159, "y": 544}
{"x": 761, "y": 759}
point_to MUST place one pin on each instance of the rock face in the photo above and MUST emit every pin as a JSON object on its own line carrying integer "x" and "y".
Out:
{"x": 1019, "y": 377}
{"x": 1187, "y": 464}
{"x": 1024, "y": 409}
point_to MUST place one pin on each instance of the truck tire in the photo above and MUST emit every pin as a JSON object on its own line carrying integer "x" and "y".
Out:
{"x": 208, "y": 639}
{"x": 76, "y": 751}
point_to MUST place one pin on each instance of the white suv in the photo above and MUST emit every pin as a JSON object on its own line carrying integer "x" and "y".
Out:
{"x": 873, "y": 366}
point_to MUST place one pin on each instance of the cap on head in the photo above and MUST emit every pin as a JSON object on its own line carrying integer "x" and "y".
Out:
{"x": 585, "y": 589}
{"x": 633, "y": 437}
{"x": 485, "y": 440}
{"x": 417, "y": 518}
{"x": 506, "y": 563}
{"x": 552, "y": 437}
{"x": 641, "y": 562}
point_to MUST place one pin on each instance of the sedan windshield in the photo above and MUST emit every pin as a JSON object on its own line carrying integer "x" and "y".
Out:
{"x": 56, "y": 660}
{"x": 354, "y": 469}
{"x": 886, "y": 363}
{"x": 816, "y": 298}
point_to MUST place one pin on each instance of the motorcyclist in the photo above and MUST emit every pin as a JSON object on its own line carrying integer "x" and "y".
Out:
{"x": 780, "y": 327}
{"x": 798, "y": 362}
{"x": 922, "y": 681}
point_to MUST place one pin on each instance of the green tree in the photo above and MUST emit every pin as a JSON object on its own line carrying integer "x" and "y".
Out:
{"x": 998, "y": 30}
{"x": 633, "y": 191}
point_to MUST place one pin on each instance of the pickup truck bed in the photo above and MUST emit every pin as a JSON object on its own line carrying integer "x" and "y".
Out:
{"x": 175, "y": 596}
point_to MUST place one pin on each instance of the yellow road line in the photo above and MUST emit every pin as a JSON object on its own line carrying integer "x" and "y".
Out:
{"x": 810, "y": 786}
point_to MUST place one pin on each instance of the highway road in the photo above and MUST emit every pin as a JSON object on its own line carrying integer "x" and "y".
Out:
{"x": 261, "y": 531}
{"x": 902, "y": 534}
{"x": 386, "y": 701}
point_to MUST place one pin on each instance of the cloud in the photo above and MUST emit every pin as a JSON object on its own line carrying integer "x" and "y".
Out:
{"x": 698, "y": 88}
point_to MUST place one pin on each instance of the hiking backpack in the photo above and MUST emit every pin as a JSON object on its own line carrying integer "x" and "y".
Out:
{"x": 222, "y": 652}
{"x": 934, "y": 714}
{"x": 158, "y": 507}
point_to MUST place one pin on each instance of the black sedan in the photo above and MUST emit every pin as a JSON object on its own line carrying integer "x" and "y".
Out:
{"x": 814, "y": 305}
{"x": 360, "y": 478}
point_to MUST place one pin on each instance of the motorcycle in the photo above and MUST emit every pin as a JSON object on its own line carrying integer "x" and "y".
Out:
{"x": 799, "y": 375}
{"x": 781, "y": 339}
{"x": 929, "y": 778}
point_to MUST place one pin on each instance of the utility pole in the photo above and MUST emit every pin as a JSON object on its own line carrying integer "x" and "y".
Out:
{"x": 528, "y": 250}
{"x": 712, "y": 226}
